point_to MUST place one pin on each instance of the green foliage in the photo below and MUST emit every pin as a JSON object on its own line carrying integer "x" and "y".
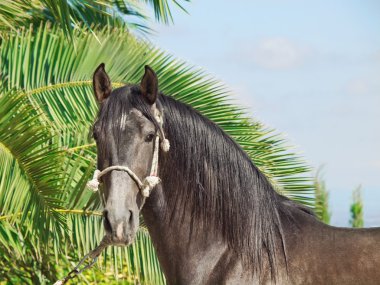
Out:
{"x": 356, "y": 209}
{"x": 321, "y": 198}
{"x": 28, "y": 159}
{"x": 70, "y": 15}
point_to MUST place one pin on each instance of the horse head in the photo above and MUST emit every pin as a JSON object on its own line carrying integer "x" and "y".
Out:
{"x": 127, "y": 141}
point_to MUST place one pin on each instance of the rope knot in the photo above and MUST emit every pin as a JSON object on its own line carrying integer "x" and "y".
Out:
{"x": 93, "y": 184}
{"x": 165, "y": 145}
{"x": 148, "y": 184}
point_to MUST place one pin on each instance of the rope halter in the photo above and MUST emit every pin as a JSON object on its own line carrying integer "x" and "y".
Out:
{"x": 148, "y": 183}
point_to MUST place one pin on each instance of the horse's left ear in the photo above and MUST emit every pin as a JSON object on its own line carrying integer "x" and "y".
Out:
{"x": 149, "y": 85}
{"x": 101, "y": 84}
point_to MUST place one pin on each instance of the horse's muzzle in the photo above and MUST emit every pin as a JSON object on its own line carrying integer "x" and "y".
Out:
{"x": 121, "y": 230}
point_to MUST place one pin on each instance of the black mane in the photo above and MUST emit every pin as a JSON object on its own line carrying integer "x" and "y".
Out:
{"x": 207, "y": 173}
{"x": 220, "y": 184}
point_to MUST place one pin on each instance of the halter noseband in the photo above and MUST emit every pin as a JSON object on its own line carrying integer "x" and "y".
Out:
{"x": 149, "y": 182}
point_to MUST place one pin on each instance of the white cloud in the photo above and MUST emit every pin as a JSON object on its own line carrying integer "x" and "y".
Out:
{"x": 376, "y": 164}
{"x": 278, "y": 53}
{"x": 363, "y": 86}
{"x": 376, "y": 56}
{"x": 358, "y": 86}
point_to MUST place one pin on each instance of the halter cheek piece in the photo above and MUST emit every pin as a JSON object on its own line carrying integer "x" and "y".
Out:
{"x": 149, "y": 182}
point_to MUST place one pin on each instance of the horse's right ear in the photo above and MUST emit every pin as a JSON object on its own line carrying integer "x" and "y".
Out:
{"x": 101, "y": 83}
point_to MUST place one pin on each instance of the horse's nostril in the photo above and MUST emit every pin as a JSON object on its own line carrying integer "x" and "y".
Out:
{"x": 130, "y": 221}
{"x": 107, "y": 224}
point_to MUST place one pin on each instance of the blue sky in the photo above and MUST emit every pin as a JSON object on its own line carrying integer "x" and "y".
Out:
{"x": 309, "y": 69}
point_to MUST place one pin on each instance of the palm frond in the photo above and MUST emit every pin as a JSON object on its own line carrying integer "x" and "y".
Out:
{"x": 29, "y": 176}
{"x": 72, "y": 15}
{"x": 162, "y": 9}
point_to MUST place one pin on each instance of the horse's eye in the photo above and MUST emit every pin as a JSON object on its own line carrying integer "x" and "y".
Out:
{"x": 149, "y": 137}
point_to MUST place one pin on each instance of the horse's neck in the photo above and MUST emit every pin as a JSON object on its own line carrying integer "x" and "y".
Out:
{"x": 186, "y": 247}
{"x": 185, "y": 258}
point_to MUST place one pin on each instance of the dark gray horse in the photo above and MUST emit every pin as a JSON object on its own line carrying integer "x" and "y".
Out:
{"x": 214, "y": 218}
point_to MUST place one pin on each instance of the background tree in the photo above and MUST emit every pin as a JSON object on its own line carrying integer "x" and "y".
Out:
{"x": 48, "y": 219}
{"x": 321, "y": 198}
{"x": 356, "y": 209}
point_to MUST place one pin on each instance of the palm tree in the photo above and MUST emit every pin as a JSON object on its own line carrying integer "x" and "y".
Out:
{"x": 48, "y": 219}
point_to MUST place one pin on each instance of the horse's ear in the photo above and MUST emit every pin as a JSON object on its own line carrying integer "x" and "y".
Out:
{"x": 149, "y": 85}
{"x": 101, "y": 83}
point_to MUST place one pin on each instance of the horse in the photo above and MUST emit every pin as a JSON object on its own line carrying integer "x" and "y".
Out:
{"x": 213, "y": 217}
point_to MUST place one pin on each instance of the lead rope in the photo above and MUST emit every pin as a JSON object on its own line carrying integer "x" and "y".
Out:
{"x": 92, "y": 255}
{"x": 145, "y": 186}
